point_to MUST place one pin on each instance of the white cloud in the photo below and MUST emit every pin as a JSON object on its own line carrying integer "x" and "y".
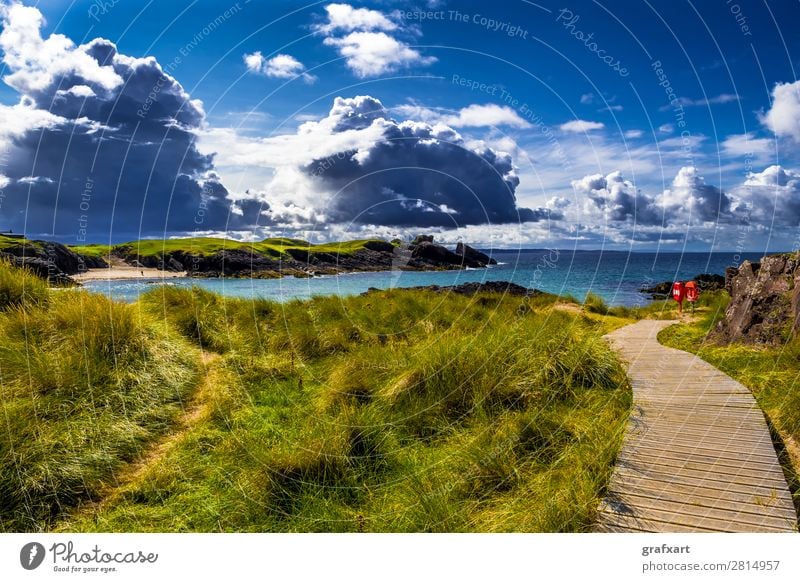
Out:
{"x": 587, "y": 98}
{"x": 691, "y": 199}
{"x": 281, "y": 66}
{"x": 369, "y": 54}
{"x": 666, "y": 128}
{"x": 688, "y": 102}
{"x": 611, "y": 108}
{"x": 633, "y": 133}
{"x": 345, "y": 18}
{"x": 783, "y": 118}
{"x": 475, "y": 115}
{"x": 365, "y": 45}
{"x": 580, "y": 125}
{"x": 747, "y": 144}
{"x": 37, "y": 62}
{"x": 771, "y": 197}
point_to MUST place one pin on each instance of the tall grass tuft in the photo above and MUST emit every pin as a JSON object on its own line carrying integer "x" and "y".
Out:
{"x": 85, "y": 384}
{"x": 20, "y": 287}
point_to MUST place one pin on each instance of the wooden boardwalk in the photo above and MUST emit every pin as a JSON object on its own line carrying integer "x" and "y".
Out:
{"x": 697, "y": 454}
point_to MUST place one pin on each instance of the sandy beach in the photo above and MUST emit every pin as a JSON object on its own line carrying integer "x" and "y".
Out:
{"x": 118, "y": 271}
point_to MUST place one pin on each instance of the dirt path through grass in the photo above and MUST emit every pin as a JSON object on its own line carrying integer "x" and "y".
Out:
{"x": 196, "y": 409}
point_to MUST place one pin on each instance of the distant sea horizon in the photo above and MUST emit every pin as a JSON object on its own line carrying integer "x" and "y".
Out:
{"x": 616, "y": 276}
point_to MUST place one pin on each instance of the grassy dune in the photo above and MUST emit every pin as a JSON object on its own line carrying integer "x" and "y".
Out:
{"x": 85, "y": 384}
{"x": 396, "y": 411}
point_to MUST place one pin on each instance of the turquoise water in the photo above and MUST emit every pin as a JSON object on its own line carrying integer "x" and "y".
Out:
{"x": 615, "y": 276}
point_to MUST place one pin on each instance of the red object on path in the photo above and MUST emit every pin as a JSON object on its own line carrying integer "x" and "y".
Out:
{"x": 692, "y": 292}
{"x": 678, "y": 294}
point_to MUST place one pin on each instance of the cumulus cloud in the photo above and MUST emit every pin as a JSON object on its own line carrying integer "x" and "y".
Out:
{"x": 580, "y": 125}
{"x": 357, "y": 165}
{"x": 490, "y": 115}
{"x": 617, "y": 198}
{"x": 369, "y": 54}
{"x": 783, "y": 118}
{"x": 771, "y": 196}
{"x": 366, "y": 46}
{"x": 688, "y": 200}
{"x": 691, "y": 199}
{"x": 280, "y": 66}
{"x": 633, "y": 133}
{"x": 101, "y": 139}
{"x": 343, "y": 17}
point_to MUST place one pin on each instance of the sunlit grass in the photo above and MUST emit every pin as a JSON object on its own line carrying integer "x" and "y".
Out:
{"x": 397, "y": 411}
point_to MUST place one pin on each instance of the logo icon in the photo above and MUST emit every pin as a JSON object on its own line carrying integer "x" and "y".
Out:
{"x": 31, "y": 555}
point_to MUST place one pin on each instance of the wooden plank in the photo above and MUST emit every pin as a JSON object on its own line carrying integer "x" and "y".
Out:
{"x": 700, "y": 492}
{"x": 764, "y": 486}
{"x": 754, "y": 449}
{"x": 697, "y": 453}
{"x": 695, "y": 506}
{"x": 690, "y": 453}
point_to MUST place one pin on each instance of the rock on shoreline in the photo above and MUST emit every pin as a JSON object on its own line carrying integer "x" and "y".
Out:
{"x": 504, "y": 287}
{"x": 50, "y": 260}
{"x": 765, "y": 302}
{"x": 705, "y": 282}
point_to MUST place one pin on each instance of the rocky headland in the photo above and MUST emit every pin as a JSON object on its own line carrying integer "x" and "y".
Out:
{"x": 268, "y": 259}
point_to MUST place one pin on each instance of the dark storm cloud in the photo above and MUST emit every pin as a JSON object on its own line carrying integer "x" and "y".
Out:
{"x": 415, "y": 174}
{"x": 117, "y": 152}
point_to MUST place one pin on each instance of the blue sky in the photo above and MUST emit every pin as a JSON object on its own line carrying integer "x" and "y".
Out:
{"x": 593, "y": 124}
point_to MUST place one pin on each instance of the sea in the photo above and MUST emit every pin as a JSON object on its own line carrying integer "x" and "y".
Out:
{"x": 616, "y": 276}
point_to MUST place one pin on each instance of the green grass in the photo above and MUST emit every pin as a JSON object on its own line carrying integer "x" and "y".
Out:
{"x": 92, "y": 250}
{"x": 202, "y": 246}
{"x": 397, "y": 411}
{"x": 8, "y": 242}
{"x": 771, "y": 373}
{"x": 85, "y": 385}
{"x": 20, "y": 287}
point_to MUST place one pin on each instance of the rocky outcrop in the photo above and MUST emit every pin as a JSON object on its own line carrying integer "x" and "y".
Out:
{"x": 50, "y": 260}
{"x": 473, "y": 256}
{"x": 434, "y": 254}
{"x": 504, "y": 287}
{"x": 765, "y": 302}
{"x": 376, "y": 255}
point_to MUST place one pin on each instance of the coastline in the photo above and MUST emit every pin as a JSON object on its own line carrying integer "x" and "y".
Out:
{"x": 121, "y": 273}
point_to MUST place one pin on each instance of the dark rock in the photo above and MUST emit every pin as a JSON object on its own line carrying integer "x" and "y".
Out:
{"x": 709, "y": 282}
{"x": 43, "y": 268}
{"x": 764, "y": 305}
{"x": 422, "y": 238}
{"x": 436, "y": 254}
{"x": 174, "y": 266}
{"x": 232, "y": 262}
{"x": 380, "y": 245}
{"x": 503, "y": 287}
{"x": 51, "y": 260}
{"x": 705, "y": 282}
{"x": 473, "y": 257}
